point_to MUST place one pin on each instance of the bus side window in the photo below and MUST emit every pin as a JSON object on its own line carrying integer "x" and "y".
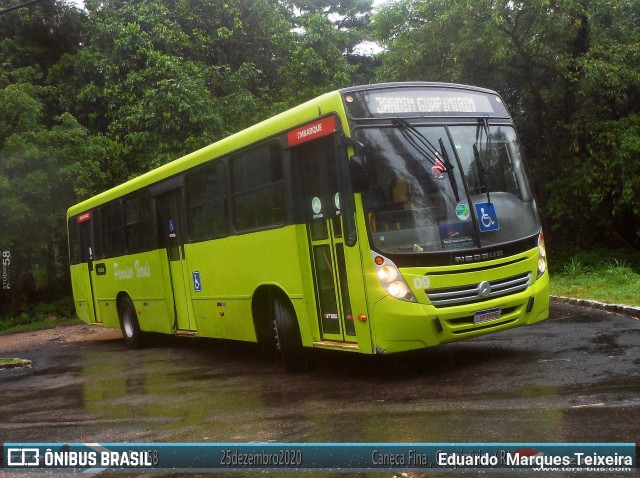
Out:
{"x": 258, "y": 188}
{"x": 74, "y": 241}
{"x": 112, "y": 229}
{"x": 97, "y": 237}
{"x": 207, "y": 203}
{"x": 139, "y": 230}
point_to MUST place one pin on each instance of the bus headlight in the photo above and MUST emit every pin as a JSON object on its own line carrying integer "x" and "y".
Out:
{"x": 391, "y": 279}
{"x": 387, "y": 273}
{"x": 398, "y": 289}
{"x": 542, "y": 255}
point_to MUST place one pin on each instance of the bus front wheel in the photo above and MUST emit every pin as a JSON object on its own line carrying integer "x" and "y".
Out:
{"x": 129, "y": 324}
{"x": 288, "y": 339}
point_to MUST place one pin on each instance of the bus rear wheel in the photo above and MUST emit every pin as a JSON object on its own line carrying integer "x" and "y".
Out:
{"x": 129, "y": 324}
{"x": 288, "y": 339}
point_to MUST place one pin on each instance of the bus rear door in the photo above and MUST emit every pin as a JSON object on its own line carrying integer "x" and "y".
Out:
{"x": 85, "y": 233}
{"x": 171, "y": 220}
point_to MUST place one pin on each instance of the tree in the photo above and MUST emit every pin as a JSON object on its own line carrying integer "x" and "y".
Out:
{"x": 33, "y": 193}
{"x": 132, "y": 83}
{"x": 323, "y": 58}
{"x": 39, "y": 169}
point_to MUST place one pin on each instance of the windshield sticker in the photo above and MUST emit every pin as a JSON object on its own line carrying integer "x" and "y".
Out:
{"x": 316, "y": 207}
{"x": 458, "y": 235}
{"x": 462, "y": 212}
{"x": 438, "y": 169}
{"x": 487, "y": 217}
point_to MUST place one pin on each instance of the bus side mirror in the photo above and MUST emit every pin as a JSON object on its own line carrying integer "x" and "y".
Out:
{"x": 359, "y": 172}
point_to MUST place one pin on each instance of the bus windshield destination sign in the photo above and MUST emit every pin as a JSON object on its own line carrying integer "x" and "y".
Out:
{"x": 460, "y": 103}
{"x": 439, "y": 101}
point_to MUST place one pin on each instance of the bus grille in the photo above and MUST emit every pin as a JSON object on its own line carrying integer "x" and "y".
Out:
{"x": 474, "y": 293}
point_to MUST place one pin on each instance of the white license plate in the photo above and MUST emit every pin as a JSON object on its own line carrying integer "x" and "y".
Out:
{"x": 486, "y": 315}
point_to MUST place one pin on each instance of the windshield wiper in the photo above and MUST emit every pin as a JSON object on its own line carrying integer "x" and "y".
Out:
{"x": 483, "y": 125}
{"x": 428, "y": 150}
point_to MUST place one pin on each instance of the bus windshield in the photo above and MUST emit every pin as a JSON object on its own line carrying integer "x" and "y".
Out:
{"x": 446, "y": 188}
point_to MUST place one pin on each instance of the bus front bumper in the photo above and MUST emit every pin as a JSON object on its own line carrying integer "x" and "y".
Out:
{"x": 399, "y": 326}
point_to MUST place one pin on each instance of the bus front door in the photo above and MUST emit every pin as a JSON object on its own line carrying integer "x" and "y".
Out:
{"x": 171, "y": 220}
{"x": 318, "y": 192}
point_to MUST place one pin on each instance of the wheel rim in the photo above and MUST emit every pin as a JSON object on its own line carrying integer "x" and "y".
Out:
{"x": 277, "y": 337}
{"x": 127, "y": 324}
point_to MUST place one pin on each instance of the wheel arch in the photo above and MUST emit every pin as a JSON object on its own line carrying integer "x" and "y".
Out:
{"x": 122, "y": 295}
{"x": 261, "y": 312}
{"x": 128, "y": 318}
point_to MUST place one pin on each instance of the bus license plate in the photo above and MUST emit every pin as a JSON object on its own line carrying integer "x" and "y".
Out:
{"x": 486, "y": 315}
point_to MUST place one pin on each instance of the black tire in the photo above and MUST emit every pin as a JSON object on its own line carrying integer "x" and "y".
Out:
{"x": 129, "y": 324}
{"x": 288, "y": 339}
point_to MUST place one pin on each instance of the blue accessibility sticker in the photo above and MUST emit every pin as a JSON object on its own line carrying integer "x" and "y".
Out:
{"x": 197, "y": 283}
{"x": 487, "y": 217}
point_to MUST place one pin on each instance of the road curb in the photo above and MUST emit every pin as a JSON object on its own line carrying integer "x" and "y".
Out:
{"x": 619, "y": 309}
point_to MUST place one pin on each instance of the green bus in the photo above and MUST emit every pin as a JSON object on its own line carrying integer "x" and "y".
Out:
{"x": 374, "y": 219}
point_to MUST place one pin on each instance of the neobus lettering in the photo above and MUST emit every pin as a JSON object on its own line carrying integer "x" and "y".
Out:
{"x": 478, "y": 257}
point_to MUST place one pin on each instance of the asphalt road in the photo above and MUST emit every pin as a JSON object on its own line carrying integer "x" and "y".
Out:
{"x": 573, "y": 378}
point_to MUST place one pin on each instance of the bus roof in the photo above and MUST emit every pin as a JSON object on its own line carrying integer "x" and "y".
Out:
{"x": 404, "y": 84}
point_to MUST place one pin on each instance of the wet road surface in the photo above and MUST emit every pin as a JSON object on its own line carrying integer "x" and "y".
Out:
{"x": 573, "y": 378}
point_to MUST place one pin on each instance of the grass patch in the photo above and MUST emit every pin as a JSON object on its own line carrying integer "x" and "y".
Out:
{"x": 610, "y": 276}
{"x": 41, "y": 316}
{"x": 14, "y": 363}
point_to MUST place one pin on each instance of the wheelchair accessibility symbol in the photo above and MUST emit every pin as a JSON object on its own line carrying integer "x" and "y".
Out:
{"x": 487, "y": 217}
{"x": 197, "y": 284}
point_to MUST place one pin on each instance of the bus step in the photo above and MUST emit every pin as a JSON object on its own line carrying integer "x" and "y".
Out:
{"x": 186, "y": 333}
{"x": 330, "y": 344}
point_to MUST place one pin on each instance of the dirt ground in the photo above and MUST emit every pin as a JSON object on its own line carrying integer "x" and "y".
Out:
{"x": 15, "y": 343}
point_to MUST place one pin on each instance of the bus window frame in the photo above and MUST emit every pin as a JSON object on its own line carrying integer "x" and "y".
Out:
{"x": 273, "y": 144}
{"x": 224, "y": 198}
{"x": 75, "y": 254}
{"x": 151, "y": 243}
{"x": 119, "y": 228}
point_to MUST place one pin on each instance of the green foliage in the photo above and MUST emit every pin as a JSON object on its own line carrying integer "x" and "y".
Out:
{"x": 42, "y": 315}
{"x": 610, "y": 276}
{"x": 575, "y": 268}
